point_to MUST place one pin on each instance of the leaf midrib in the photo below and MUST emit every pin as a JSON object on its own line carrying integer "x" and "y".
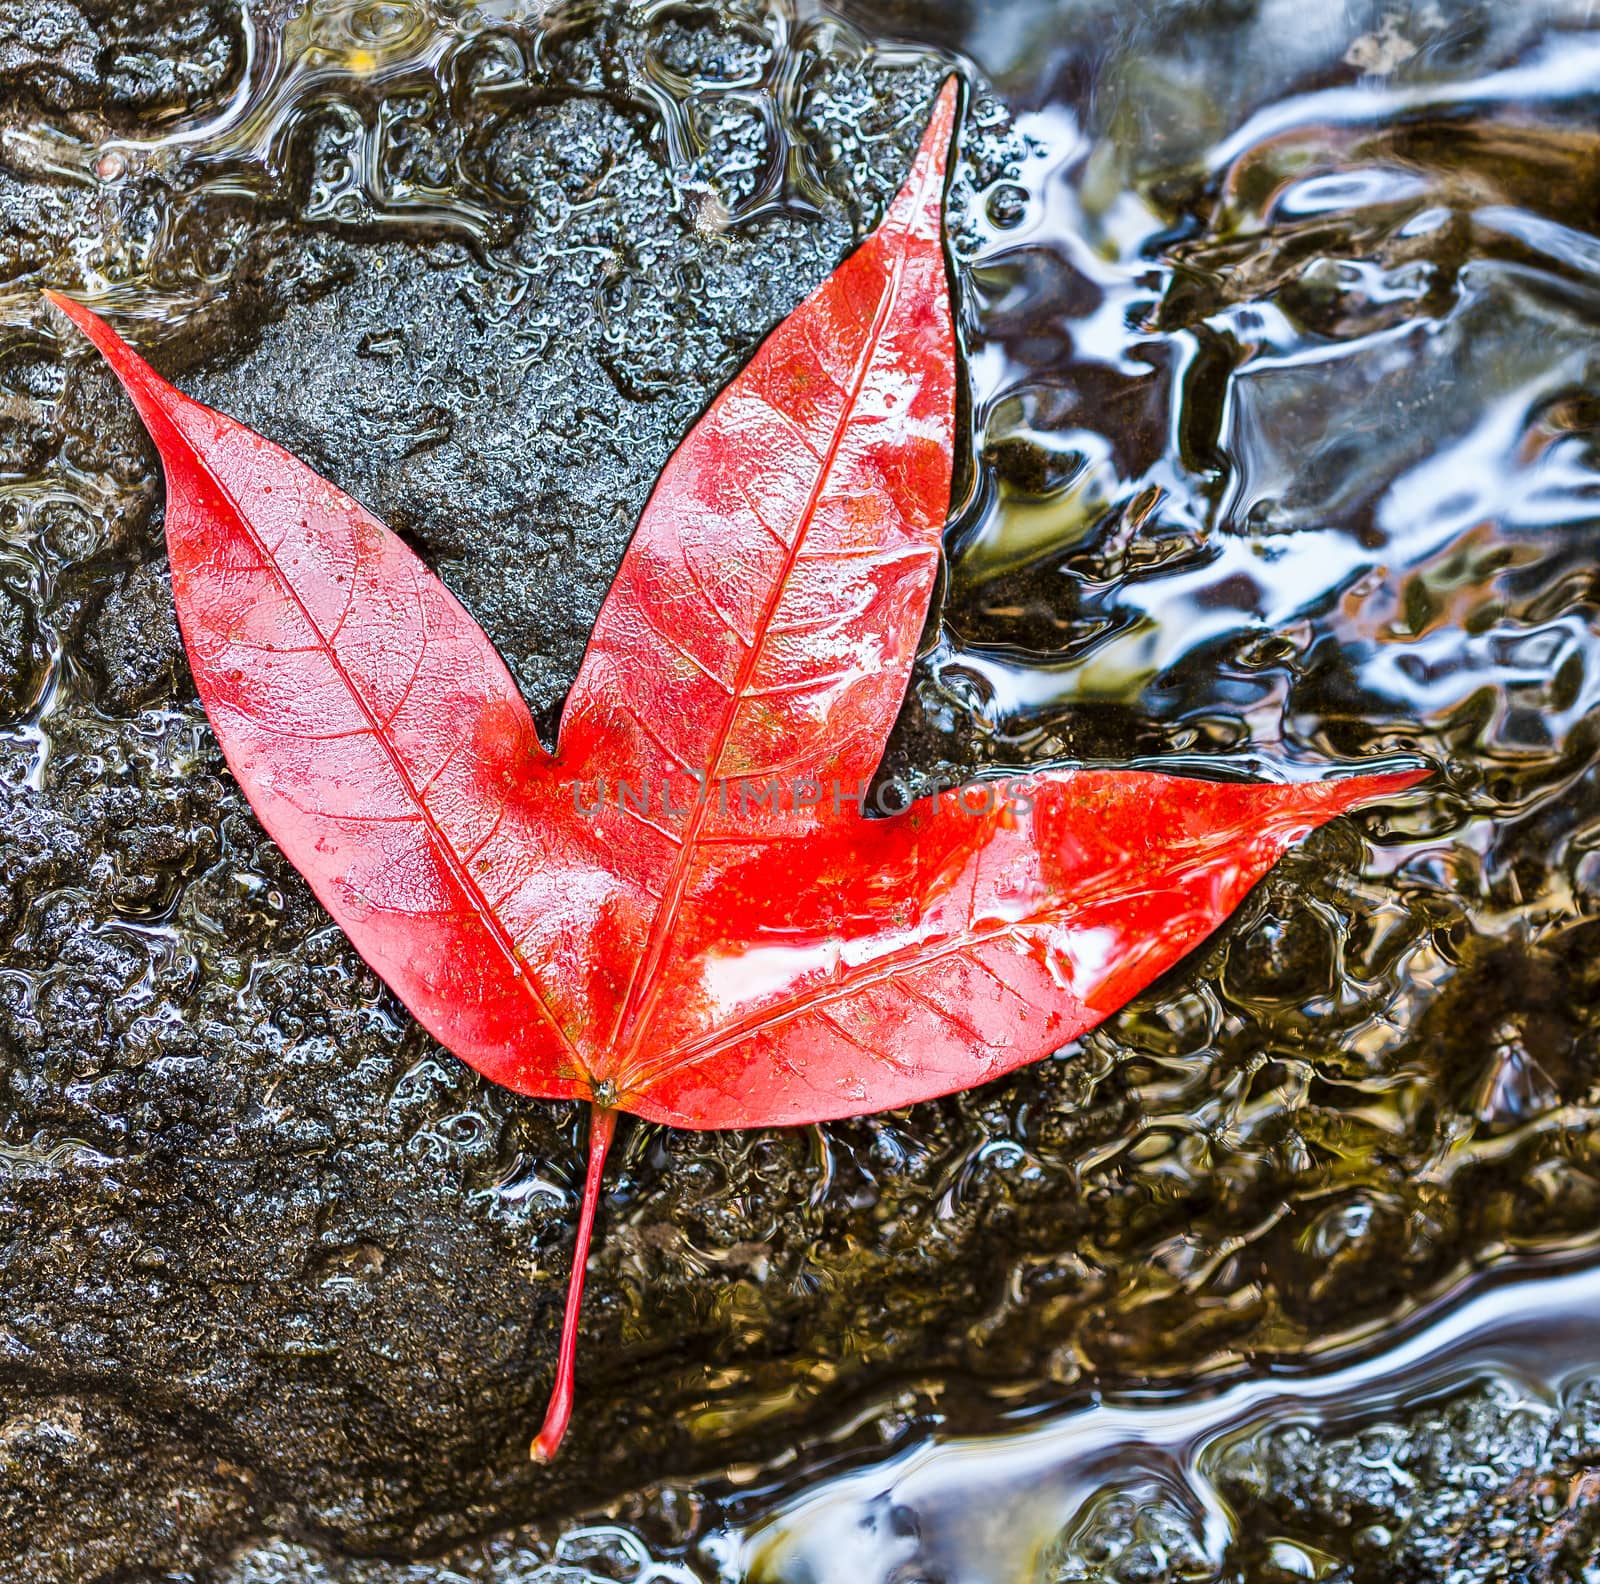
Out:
{"x": 884, "y": 970}
{"x": 486, "y": 914}
{"x": 639, "y": 1005}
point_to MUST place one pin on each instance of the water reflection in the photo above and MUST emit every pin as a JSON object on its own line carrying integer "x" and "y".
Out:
{"x": 1111, "y": 1489}
{"x": 1266, "y": 444}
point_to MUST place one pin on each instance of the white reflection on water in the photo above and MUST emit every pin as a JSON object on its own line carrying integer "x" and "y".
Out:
{"x": 981, "y": 1510}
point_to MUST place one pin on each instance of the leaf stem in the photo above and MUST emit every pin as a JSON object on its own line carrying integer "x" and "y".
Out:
{"x": 602, "y": 1126}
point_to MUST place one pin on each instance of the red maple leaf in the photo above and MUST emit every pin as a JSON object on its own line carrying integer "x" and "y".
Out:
{"x": 685, "y": 912}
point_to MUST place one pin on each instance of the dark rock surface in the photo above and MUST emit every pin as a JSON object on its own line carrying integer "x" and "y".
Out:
{"x": 1490, "y": 1483}
{"x": 115, "y": 57}
{"x": 272, "y": 1264}
{"x": 1486, "y": 1482}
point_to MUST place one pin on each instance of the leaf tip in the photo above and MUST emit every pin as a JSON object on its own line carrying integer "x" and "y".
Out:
{"x": 124, "y": 361}
{"x": 150, "y": 393}
{"x": 1286, "y": 811}
{"x": 1353, "y": 792}
{"x": 1293, "y": 808}
{"x": 918, "y": 209}
{"x": 936, "y": 139}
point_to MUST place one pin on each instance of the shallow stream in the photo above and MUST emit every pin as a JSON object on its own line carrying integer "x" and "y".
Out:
{"x": 1281, "y": 326}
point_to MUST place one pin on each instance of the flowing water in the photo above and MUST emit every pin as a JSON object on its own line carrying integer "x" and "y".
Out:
{"x": 1122, "y": 1491}
{"x": 1281, "y": 326}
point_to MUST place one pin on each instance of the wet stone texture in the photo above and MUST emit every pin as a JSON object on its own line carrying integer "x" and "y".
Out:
{"x": 117, "y": 59}
{"x": 1489, "y": 1484}
{"x": 277, "y": 1273}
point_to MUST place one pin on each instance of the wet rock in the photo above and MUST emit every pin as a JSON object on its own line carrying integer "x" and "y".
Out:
{"x": 1490, "y": 1484}
{"x": 251, "y": 1212}
{"x": 20, "y": 658}
{"x": 117, "y": 1473}
{"x": 1486, "y": 1483}
{"x": 50, "y": 48}
{"x": 132, "y": 640}
{"x": 1142, "y": 1534}
{"x": 103, "y": 54}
